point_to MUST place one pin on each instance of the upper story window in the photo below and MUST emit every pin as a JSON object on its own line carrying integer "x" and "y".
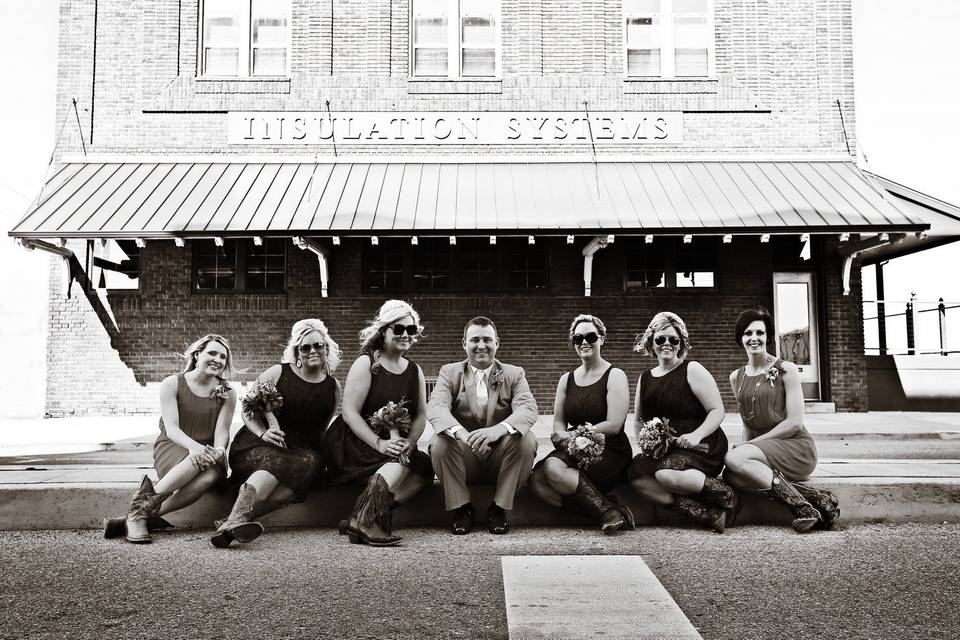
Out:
{"x": 245, "y": 38}
{"x": 455, "y": 38}
{"x": 669, "y": 38}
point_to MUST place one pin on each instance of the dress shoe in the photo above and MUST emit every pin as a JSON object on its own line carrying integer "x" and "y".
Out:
{"x": 497, "y": 519}
{"x": 462, "y": 520}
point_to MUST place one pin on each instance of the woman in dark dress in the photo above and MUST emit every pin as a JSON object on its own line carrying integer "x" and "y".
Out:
{"x": 277, "y": 456}
{"x": 595, "y": 393}
{"x": 683, "y": 480}
{"x": 392, "y": 467}
{"x": 196, "y": 407}
{"x": 778, "y": 452}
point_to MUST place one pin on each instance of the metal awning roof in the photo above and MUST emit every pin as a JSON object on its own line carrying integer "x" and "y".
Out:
{"x": 151, "y": 199}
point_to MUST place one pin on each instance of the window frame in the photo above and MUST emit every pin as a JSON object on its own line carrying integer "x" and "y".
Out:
{"x": 455, "y": 44}
{"x": 672, "y": 262}
{"x": 240, "y": 268}
{"x": 245, "y": 48}
{"x": 668, "y": 47}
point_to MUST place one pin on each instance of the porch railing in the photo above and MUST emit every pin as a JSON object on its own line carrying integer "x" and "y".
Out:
{"x": 884, "y": 310}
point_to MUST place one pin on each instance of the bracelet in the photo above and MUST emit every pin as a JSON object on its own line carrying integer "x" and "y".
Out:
{"x": 260, "y": 435}
{"x": 376, "y": 444}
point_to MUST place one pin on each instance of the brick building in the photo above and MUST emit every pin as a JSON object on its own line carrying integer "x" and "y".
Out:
{"x": 238, "y": 165}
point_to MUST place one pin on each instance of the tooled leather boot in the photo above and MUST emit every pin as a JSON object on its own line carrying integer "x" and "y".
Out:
{"x": 823, "y": 501}
{"x": 718, "y": 493}
{"x": 699, "y": 512}
{"x": 589, "y": 501}
{"x": 805, "y": 517}
{"x": 238, "y": 525}
{"x": 145, "y": 503}
{"x": 117, "y": 527}
{"x": 373, "y": 507}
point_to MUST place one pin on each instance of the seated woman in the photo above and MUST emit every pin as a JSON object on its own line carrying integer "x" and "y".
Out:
{"x": 277, "y": 455}
{"x": 595, "y": 393}
{"x": 189, "y": 455}
{"x": 777, "y": 450}
{"x": 683, "y": 480}
{"x": 391, "y": 465}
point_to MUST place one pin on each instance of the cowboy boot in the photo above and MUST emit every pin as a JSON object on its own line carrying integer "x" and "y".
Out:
{"x": 823, "y": 501}
{"x": 238, "y": 525}
{"x": 145, "y": 503}
{"x": 343, "y": 524}
{"x": 805, "y": 517}
{"x": 698, "y": 512}
{"x": 590, "y": 502}
{"x": 117, "y": 527}
{"x": 259, "y": 510}
{"x": 372, "y": 508}
{"x": 718, "y": 493}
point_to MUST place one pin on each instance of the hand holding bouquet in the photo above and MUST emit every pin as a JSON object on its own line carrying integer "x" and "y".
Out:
{"x": 392, "y": 421}
{"x": 263, "y": 399}
{"x": 585, "y": 445}
{"x": 655, "y": 438}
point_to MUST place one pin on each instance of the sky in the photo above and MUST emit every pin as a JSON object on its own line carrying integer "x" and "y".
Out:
{"x": 907, "y": 88}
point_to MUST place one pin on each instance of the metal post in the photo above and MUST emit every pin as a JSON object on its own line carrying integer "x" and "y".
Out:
{"x": 911, "y": 336}
{"x": 881, "y": 309}
{"x": 942, "y": 315}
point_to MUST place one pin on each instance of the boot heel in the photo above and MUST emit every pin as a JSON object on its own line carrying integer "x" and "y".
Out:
{"x": 342, "y": 527}
{"x": 354, "y": 538}
{"x": 114, "y": 527}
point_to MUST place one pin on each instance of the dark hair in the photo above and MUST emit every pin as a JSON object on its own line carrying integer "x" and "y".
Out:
{"x": 752, "y": 315}
{"x": 479, "y": 321}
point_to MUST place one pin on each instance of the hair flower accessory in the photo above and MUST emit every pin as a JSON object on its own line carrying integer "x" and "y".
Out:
{"x": 221, "y": 392}
{"x": 771, "y": 374}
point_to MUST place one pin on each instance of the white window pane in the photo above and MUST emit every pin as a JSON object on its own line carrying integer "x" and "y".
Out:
{"x": 478, "y": 31}
{"x": 430, "y": 31}
{"x": 695, "y": 279}
{"x": 269, "y": 62}
{"x": 221, "y": 62}
{"x": 430, "y": 7}
{"x": 221, "y": 31}
{"x": 691, "y": 33}
{"x": 270, "y": 33}
{"x": 643, "y": 62}
{"x": 631, "y": 7}
{"x": 479, "y": 62}
{"x": 643, "y": 33}
{"x": 691, "y": 62}
{"x": 690, "y": 6}
{"x": 429, "y": 62}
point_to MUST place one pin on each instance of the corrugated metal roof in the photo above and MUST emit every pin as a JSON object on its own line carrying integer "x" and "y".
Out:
{"x": 157, "y": 199}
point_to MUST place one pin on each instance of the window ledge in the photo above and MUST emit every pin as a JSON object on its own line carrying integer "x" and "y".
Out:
{"x": 422, "y": 86}
{"x": 242, "y": 85}
{"x": 671, "y": 85}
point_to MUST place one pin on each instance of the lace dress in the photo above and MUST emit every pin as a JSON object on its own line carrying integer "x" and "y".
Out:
{"x": 670, "y": 396}
{"x": 306, "y": 412}
{"x": 588, "y": 403}
{"x": 763, "y": 406}
{"x": 349, "y": 459}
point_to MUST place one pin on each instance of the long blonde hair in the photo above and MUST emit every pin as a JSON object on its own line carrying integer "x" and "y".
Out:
{"x": 372, "y": 336}
{"x": 191, "y": 353}
{"x": 331, "y": 355}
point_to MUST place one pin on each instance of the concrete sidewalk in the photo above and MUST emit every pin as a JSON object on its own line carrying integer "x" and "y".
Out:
{"x": 48, "y": 495}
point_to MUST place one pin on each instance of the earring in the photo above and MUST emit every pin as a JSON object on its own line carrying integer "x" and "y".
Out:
{"x": 299, "y": 363}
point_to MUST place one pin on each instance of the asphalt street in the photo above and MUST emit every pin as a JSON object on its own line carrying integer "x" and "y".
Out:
{"x": 865, "y": 581}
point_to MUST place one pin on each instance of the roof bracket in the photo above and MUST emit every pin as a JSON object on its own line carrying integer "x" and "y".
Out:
{"x": 851, "y": 251}
{"x": 598, "y": 242}
{"x": 306, "y": 244}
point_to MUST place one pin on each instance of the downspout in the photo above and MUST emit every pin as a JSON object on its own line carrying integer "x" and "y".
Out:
{"x": 851, "y": 251}
{"x": 58, "y": 250}
{"x": 598, "y": 242}
{"x": 305, "y": 244}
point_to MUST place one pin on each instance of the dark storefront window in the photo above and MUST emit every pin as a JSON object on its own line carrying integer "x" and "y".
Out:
{"x": 471, "y": 265}
{"x": 670, "y": 262}
{"x": 240, "y": 265}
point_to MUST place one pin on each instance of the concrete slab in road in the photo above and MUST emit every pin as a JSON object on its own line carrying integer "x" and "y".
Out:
{"x": 572, "y": 597}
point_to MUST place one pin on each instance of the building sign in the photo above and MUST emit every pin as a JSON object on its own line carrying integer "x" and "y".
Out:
{"x": 482, "y": 127}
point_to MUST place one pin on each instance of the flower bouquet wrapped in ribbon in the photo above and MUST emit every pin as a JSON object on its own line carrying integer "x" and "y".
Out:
{"x": 263, "y": 399}
{"x": 585, "y": 445}
{"x": 655, "y": 438}
{"x": 392, "y": 421}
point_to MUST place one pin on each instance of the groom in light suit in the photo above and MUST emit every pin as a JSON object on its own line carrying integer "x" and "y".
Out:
{"x": 482, "y": 411}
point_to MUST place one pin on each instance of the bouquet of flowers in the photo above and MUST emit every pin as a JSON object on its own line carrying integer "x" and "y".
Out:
{"x": 263, "y": 399}
{"x": 655, "y": 437}
{"x": 392, "y": 421}
{"x": 585, "y": 445}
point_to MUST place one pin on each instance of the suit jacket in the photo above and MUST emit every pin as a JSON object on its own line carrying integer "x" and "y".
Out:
{"x": 454, "y": 399}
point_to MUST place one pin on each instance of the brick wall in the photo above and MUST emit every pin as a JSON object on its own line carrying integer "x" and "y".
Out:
{"x": 87, "y": 376}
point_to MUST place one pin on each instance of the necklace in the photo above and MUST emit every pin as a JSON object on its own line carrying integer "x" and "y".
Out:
{"x": 756, "y": 387}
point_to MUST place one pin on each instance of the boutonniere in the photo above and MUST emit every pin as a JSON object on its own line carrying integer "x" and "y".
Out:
{"x": 220, "y": 392}
{"x": 771, "y": 374}
{"x": 497, "y": 377}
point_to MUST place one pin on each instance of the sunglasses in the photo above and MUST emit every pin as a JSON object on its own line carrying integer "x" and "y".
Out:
{"x": 305, "y": 348}
{"x": 578, "y": 338}
{"x": 660, "y": 340}
{"x": 398, "y": 329}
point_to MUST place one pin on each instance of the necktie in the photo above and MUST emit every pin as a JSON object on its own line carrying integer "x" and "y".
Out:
{"x": 482, "y": 388}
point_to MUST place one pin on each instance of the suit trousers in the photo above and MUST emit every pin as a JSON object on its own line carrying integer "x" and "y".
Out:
{"x": 508, "y": 465}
